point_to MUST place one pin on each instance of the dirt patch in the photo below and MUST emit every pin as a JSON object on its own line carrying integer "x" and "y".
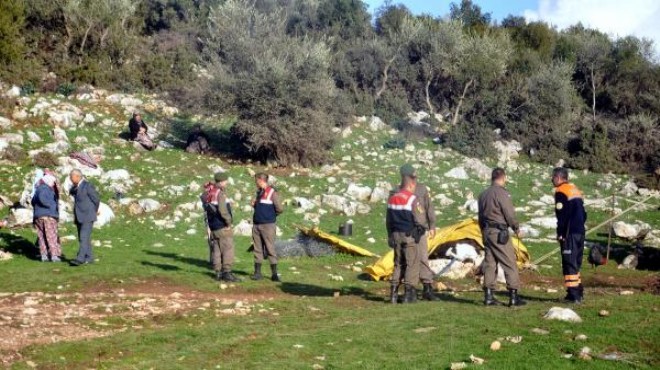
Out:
{"x": 653, "y": 285}
{"x": 590, "y": 281}
{"x": 42, "y": 318}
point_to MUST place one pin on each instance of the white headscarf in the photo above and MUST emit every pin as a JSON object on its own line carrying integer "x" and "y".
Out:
{"x": 49, "y": 180}
{"x": 38, "y": 176}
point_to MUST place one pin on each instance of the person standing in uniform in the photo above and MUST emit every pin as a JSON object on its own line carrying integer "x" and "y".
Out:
{"x": 403, "y": 225}
{"x": 267, "y": 207}
{"x": 571, "y": 216}
{"x": 219, "y": 219}
{"x": 86, "y": 207}
{"x": 496, "y": 215}
{"x": 427, "y": 220}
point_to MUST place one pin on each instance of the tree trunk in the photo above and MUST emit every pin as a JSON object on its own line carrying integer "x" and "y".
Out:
{"x": 84, "y": 40}
{"x": 104, "y": 36}
{"x": 383, "y": 85}
{"x": 69, "y": 37}
{"x": 454, "y": 119}
{"x": 428, "y": 96}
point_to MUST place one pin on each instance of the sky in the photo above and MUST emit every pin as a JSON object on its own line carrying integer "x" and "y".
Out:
{"x": 617, "y": 18}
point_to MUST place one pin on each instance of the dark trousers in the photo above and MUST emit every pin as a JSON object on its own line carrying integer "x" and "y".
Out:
{"x": 571, "y": 262}
{"x": 85, "y": 241}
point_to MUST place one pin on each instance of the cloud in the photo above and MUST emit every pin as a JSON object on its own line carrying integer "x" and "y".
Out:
{"x": 618, "y": 18}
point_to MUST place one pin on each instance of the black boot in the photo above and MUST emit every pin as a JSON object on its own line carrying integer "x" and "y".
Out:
{"x": 229, "y": 277}
{"x": 394, "y": 293}
{"x": 218, "y": 275}
{"x": 573, "y": 296}
{"x": 274, "y": 276}
{"x": 514, "y": 299}
{"x": 410, "y": 295}
{"x": 581, "y": 288}
{"x": 427, "y": 293}
{"x": 489, "y": 298}
{"x": 257, "y": 272}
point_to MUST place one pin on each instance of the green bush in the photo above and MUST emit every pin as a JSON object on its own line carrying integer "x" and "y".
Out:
{"x": 28, "y": 89}
{"x": 279, "y": 86}
{"x": 395, "y": 143}
{"x": 66, "y": 89}
{"x": 471, "y": 139}
{"x": 393, "y": 106}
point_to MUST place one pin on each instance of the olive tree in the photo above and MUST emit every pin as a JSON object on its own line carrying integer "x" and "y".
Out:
{"x": 84, "y": 17}
{"x": 279, "y": 86}
{"x": 483, "y": 59}
{"x": 548, "y": 109}
{"x": 592, "y": 56}
{"x": 440, "y": 52}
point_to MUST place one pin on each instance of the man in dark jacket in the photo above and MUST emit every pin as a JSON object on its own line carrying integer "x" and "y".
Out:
{"x": 267, "y": 207}
{"x": 571, "y": 216}
{"x": 85, "y": 210}
{"x": 219, "y": 220}
{"x": 427, "y": 221}
{"x": 402, "y": 219}
{"x": 46, "y": 216}
{"x": 135, "y": 125}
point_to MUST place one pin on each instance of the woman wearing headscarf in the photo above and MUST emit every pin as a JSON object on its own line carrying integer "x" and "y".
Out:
{"x": 46, "y": 216}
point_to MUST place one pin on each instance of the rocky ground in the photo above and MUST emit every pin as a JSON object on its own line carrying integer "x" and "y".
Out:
{"x": 38, "y": 318}
{"x": 158, "y": 191}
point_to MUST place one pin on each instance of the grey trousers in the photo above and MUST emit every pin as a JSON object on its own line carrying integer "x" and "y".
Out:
{"x": 222, "y": 255}
{"x": 263, "y": 237}
{"x": 406, "y": 259}
{"x": 85, "y": 242}
{"x": 502, "y": 254}
{"x": 425, "y": 272}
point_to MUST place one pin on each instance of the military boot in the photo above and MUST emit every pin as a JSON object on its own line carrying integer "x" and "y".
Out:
{"x": 581, "y": 288}
{"x": 427, "y": 293}
{"x": 257, "y": 272}
{"x": 489, "y": 298}
{"x": 514, "y": 298}
{"x": 410, "y": 295}
{"x": 274, "y": 275}
{"x": 394, "y": 293}
{"x": 229, "y": 277}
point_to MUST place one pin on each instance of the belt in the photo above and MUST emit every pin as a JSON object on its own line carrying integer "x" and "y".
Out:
{"x": 494, "y": 225}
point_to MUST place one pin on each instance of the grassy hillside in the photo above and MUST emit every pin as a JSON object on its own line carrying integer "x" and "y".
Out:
{"x": 301, "y": 323}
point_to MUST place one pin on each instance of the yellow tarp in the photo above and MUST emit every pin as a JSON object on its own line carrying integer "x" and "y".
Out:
{"x": 344, "y": 246}
{"x": 467, "y": 229}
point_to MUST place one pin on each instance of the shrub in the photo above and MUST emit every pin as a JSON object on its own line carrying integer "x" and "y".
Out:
{"x": 66, "y": 89}
{"x": 28, "y": 89}
{"x": 395, "y": 143}
{"x": 14, "y": 154}
{"x": 45, "y": 160}
{"x": 471, "y": 139}
{"x": 280, "y": 86}
{"x": 543, "y": 122}
{"x": 393, "y": 106}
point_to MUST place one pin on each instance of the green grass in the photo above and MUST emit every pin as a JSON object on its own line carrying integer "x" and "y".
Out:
{"x": 355, "y": 330}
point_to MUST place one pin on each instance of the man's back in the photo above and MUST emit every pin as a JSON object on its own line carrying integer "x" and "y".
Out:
{"x": 495, "y": 207}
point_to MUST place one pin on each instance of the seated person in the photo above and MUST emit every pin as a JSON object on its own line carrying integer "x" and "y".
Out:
{"x": 135, "y": 125}
{"x": 197, "y": 141}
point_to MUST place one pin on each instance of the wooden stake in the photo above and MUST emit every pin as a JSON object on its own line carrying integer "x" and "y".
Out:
{"x": 609, "y": 232}
{"x": 547, "y": 255}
